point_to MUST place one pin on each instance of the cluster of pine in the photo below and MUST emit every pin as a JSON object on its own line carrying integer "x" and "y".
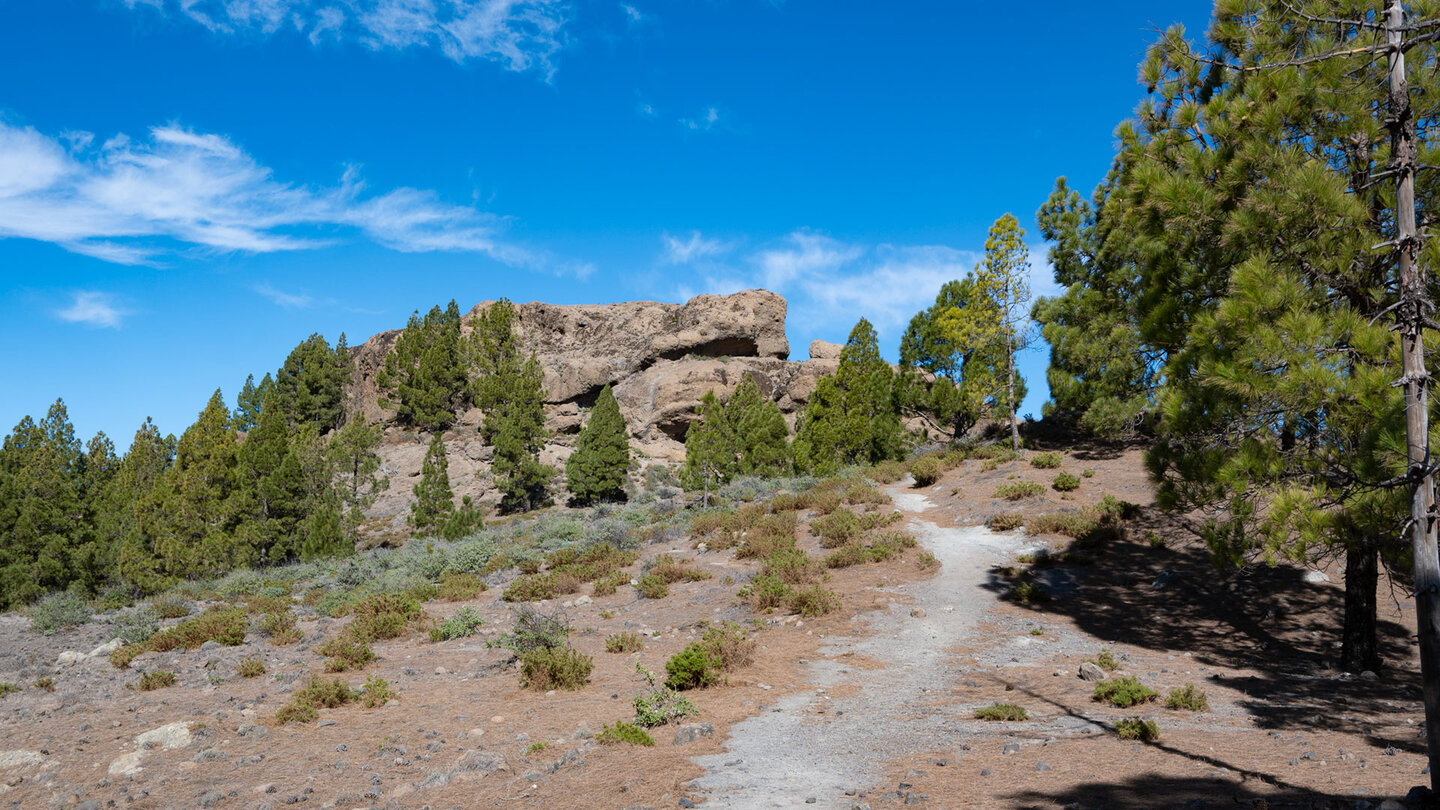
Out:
{"x": 293, "y": 488}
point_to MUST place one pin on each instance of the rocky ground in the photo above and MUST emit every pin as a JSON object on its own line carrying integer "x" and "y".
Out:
{"x": 872, "y": 705}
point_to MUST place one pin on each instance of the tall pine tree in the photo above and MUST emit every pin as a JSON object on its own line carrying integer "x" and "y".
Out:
{"x": 423, "y": 379}
{"x": 508, "y": 388}
{"x": 598, "y": 468}
{"x": 853, "y": 417}
{"x": 434, "y": 501}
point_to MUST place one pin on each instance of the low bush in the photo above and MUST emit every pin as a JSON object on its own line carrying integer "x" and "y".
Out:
{"x": 460, "y": 586}
{"x": 887, "y": 472}
{"x": 305, "y": 704}
{"x": 45, "y": 684}
{"x": 279, "y": 625}
{"x": 1045, "y": 461}
{"x": 547, "y": 668}
{"x": 1106, "y": 660}
{"x": 136, "y": 626}
{"x": 608, "y": 584}
{"x": 171, "y": 608}
{"x": 345, "y": 652}
{"x": 864, "y": 494}
{"x": 1026, "y": 592}
{"x": 1187, "y": 697}
{"x": 1066, "y": 482}
{"x": 222, "y": 625}
{"x": 376, "y": 693}
{"x": 1018, "y": 490}
{"x": 623, "y": 732}
{"x": 837, "y": 528}
{"x": 1005, "y": 521}
{"x": 673, "y": 571}
{"x": 729, "y": 646}
{"x": 463, "y": 623}
{"x": 791, "y": 565}
{"x": 623, "y": 642}
{"x": 1132, "y": 728}
{"x": 251, "y": 668}
{"x": 813, "y": 601}
{"x": 766, "y": 592}
{"x": 661, "y": 704}
{"x": 58, "y": 611}
{"x": 927, "y": 470}
{"x": 159, "y": 679}
{"x": 691, "y": 668}
{"x": 8, "y": 689}
{"x": 1007, "y": 712}
{"x": 1123, "y": 692}
{"x": 533, "y": 630}
{"x": 651, "y": 586}
{"x": 385, "y": 616}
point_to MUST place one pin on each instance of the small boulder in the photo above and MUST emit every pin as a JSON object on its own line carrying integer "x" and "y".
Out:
{"x": 1090, "y": 671}
{"x": 690, "y": 732}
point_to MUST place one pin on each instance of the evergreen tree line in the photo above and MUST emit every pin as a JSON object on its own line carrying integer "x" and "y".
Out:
{"x": 282, "y": 477}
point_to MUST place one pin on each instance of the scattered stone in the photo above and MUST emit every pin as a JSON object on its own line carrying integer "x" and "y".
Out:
{"x": 212, "y": 644}
{"x": 686, "y": 803}
{"x": 1316, "y": 577}
{"x": 917, "y": 613}
{"x": 1090, "y": 671}
{"x": 1041, "y": 766}
{"x": 483, "y": 762}
{"x": 69, "y": 658}
{"x": 170, "y": 735}
{"x": 985, "y": 771}
{"x": 690, "y": 732}
{"x": 1011, "y": 748}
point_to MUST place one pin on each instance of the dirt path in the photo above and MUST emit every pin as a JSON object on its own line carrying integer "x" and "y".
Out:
{"x": 815, "y": 745}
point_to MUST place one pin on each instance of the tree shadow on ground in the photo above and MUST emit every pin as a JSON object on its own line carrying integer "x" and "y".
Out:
{"x": 1150, "y": 791}
{"x": 1280, "y": 632}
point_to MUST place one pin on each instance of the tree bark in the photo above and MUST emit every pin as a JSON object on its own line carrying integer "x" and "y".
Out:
{"x": 1360, "y": 648}
{"x": 1410, "y": 321}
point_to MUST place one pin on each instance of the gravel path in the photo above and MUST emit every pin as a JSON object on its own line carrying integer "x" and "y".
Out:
{"x": 812, "y": 746}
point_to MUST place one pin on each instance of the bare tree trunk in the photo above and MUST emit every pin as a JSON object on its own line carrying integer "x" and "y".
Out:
{"x": 1010, "y": 392}
{"x": 1360, "y": 648}
{"x": 1410, "y": 321}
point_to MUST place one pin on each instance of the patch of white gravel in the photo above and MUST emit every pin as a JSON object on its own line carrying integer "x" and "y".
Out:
{"x": 810, "y": 745}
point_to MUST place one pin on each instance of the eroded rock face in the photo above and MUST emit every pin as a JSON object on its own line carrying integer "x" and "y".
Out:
{"x": 660, "y": 360}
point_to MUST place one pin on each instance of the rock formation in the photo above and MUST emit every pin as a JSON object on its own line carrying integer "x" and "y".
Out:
{"x": 659, "y": 358}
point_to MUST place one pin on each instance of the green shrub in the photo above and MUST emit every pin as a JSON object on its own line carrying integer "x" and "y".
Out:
{"x": 813, "y": 601}
{"x": 464, "y": 623}
{"x": 927, "y": 470}
{"x": 623, "y": 732}
{"x": 8, "y": 689}
{"x": 791, "y": 565}
{"x": 1087, "y": 473}
{"x": 1066, "y": 482}
{"x": 608, "y": 584}
{"x": 345, "y": 652}
{"x": 171, "y": 608}
{"x": 159, "y": 679}
{"x": 1123, "y": 692}
{"x": 376, "y": 693}
{"x": 1005, "y": 521}
{"x": 251, "y": 668}
{"x": 536, "y": 747}
{"x": 623, "y": 642}
{"x": 766, "y": 592}
{"x": 548, "y": 668}
{"x": 385, "y": 616}
{"x": 222, "y": 625}
{"x": 1045, "y": 461}
{"x": 691, "y": 668}
{"x": 837, "y": 528}
{"x": 1132, "y": 728}
{"x": 1026, "y": 592}
{"x": 729, "y": 646}
{"x": 1018, "y": 490}
{"x": 1106, "y": 660}
{"x": 279, "y": 625}
{"x": 318, "y": 694}
{"x": 1070, "y": 524}
{"x": 661, "y": 705}
{"x": 58, "y": 611}
{"x": 651, "y": 586}
{"x": 1001, "y": 712}
{"x": 887, "y": 472}
{"x": 672, "y": 571}
{"x": 1187, "y": 697}
{"x": 136, "y": 626}
{"x": 848, "y": 555}
{"x": 460, "y": 586}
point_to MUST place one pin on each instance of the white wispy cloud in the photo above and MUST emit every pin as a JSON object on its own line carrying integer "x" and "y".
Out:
{"x": 92, "y": 308}
{"x": 632, "y": 14}
{"x": 692, "y": 249}
{"x": 520, "y": 35}
{"x": 136, "y": 201}
{"x": 706, "y": 120}
{"x": 284, "y": 299}
{"x": 830, "y": 283}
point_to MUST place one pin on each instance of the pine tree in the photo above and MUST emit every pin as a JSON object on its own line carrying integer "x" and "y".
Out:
{"x": 312, "y": 381}
{"x": 264, "y": 498}
{"x": 127, "y": 522}
{"x": 509, "y": 389}
{"x": 434, "y": 501}
{"x": 351, "y": 451}
{"x": 247, "y": 403}
{"x": 41, "y": 507}
{"x": 710, "y": 448}
{"x": 423, "y": 379}
{"x": 967, "y": 386}
{"x": 853, "y": 417}
{"x": 195, "y": 510}
{"x": 598, "y": 469}
{"x": 746, "y": 435}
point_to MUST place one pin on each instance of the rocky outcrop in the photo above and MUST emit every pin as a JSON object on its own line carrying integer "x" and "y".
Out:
{"x": 659, "y": 358}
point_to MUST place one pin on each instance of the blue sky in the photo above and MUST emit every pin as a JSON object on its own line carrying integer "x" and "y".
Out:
{"x": 188, "y": 188}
